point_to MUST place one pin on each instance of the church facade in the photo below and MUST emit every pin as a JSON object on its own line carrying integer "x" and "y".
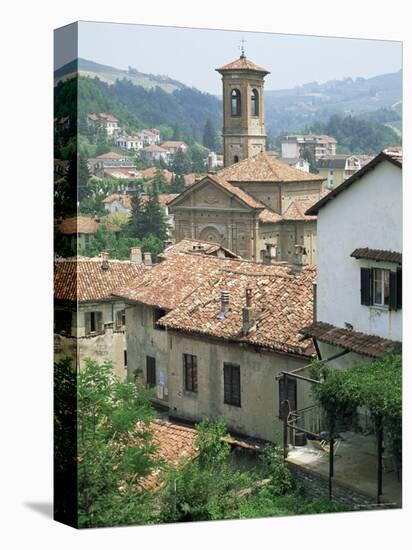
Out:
{"x": 255, "y": 205}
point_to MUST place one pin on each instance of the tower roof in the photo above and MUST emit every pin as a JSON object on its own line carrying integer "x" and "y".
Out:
{"x": 242, "y": 64}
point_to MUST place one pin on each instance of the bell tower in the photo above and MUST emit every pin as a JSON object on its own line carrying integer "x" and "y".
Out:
{"x": 243, "y": 118}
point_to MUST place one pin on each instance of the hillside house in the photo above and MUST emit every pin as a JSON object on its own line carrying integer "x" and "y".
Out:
{"x": 118, "y": 203}
{"x": 134, "y": 142}
{"x": 320, "y": 145}
{"x": 80, "y": 230}
{"x": 210, "y": 334}
{"x": 109, "y": 122}
{"x": 150, "y": 136}
{"x": 89, "y": 322}
{"x": 336, "y": 169}
{"x": 174, "y": 146}
{"x": 153, "y": 153}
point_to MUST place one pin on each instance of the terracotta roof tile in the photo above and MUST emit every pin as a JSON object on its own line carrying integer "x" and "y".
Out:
{"x": 378, "y": 255}
{"x": 126, "y": 200}
{"x": 283, "y": 306}
{"x": 200, "y": 247}
{"x": 154, "y": 149}
{"x": 83, "y": 279}
{"x": 242, "y": 64}
{"x": 82, "y": 225}
{"x": 175, "y": 445}
{"x": 358, "y": 342}
{"x": 265, "y": 168}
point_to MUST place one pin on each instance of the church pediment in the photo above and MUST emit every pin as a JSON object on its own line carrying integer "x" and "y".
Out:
{"x": 209, "y": 195}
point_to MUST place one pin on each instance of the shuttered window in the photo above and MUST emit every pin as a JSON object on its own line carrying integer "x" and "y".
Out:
{"x": 231, "y": 382}
{"x": 150, "y": 371}
{"x": 190, "y": 372}
{"x": 381, "y": 287}
{"x": 287, "y": 399}
{"x": 93, "y": 321}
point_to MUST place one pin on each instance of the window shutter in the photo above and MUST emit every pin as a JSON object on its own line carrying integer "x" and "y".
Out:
{"x": 236, "y": 385}
{"x": 227, "y": 383}
{"x": 119, "y": 319}
{"x": 399, "y": 287}
{"x": 366, "y": 286}
{"x": 393, "y": 291}
{"x": 88, "y": 322}
{"x": 99, "y": 323}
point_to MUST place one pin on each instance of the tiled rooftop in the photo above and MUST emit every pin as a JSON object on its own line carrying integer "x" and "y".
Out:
{"x": 378, "y": 255}
{"x": 82, "y": 225}
{"x": 200, "y": 247}
{"x": 265, "y": 168}
{"x": 358, "y": 342}
{"x": 83, "y": 279}
{"x": 242, "y": 64}
{"x": 282, "y": 302}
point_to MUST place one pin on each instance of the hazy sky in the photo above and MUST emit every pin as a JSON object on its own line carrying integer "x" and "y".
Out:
{"x": 191, "y": 55}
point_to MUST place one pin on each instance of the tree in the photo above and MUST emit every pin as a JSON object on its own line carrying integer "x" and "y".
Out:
{"x": 154, "y": 219}
{"x": 181, "y": 163}
{"x": 308, "y": 155}
{"x": 114, "y": 448}
{"x": 159, "y": 183}
{"x": 177, "y": 185}
{"x": 209, "y": 135}
{"x": 135, "y": 225}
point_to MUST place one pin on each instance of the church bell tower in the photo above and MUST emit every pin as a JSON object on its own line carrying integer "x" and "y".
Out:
{"x": 243, "y": 118}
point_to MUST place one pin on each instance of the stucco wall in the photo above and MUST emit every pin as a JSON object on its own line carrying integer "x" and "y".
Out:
{"x": 258, "y": 414}
{"x": 367, "y": 214}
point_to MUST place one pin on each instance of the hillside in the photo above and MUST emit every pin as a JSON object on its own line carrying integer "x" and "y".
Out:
{"x": 110, "y": 74}
{"x": 293, "y": 109}
{"x": 140, "y": 99}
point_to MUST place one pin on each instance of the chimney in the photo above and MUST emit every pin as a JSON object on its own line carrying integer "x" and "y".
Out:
{"x": 297, "y": 266}
{"x": 135, "y": 254}
{"x": 105, "y": 260}
{"x": 147, "y": 258}
{"x": 249, "y": 313}
{"x": 224, "y": 304}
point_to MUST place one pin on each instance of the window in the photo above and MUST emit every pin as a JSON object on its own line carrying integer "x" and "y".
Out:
{"x": 150, "y": 371}
{"x": 125, "y": 357}
{"x": 93, "y": 321}
{"x": 158, "y": 314}
{"x": 290, "y": 397}
{"x": 190, "y": 372}
{"x": 120, "y": 318}
{"x": 231, "y": 382}
{"x": 235, "y": 159}
{"x": 254, "y": 103}
{"x": 63, "y": 321}
{"x": 381, "y": 287}
{"x": 235, "y": 102}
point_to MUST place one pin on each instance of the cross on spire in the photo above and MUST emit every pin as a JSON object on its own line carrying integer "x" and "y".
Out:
{"x": 242, "y": 48}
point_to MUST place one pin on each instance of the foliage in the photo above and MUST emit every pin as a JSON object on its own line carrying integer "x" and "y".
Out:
{"x": 356, "y": 135}
{"x": 308, "y": 155}
{"x": 209, "y": 135}
{"x": 376, "y": 385}
{"x": 147, "y": 219}
{"x": 159, "y": 183}
{"x": 177, "y": 185}
{"x": 114, "y": 448}
{"x": 181, "y": 163}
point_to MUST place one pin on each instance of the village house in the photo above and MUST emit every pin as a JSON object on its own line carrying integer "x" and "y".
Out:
{"x": 117, "y": 203}
{"x": 255, "y": 205}
{"x": 336, "y": 169}
{"x": 110, "y": 159}
{"x": 89, "y": 322}
{"x": 80, "y": 230}
{"x": 214, "y": 161}
{"x": 109, "y": 122}
{"x": 153, "y": 153}
{"x": 174, "y": 146}
{"x": 134, "y": 142}
{"x": 359, "y": 278}
{"x": 210, "y": 334}
{"x": 299, "y": 164}
{"x": 320, "y": 145}
{"x": 150, "y": 136}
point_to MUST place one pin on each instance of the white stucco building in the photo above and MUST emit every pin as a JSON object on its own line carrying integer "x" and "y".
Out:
{"x": 359, "y": 277}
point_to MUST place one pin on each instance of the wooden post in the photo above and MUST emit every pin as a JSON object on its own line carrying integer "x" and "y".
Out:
{"x": 285, "y": 417}
{"x": 379, "y": 437}
{"x": 331, "y": 449}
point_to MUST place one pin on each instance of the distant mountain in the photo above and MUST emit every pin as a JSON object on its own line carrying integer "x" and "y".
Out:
{"x": 293, "y": 109}
{"x": 111, "y": 74}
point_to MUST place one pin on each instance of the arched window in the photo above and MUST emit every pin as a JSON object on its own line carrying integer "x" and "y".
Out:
{"x": 254, "y": 103}
{"x": 235, "y": 102}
